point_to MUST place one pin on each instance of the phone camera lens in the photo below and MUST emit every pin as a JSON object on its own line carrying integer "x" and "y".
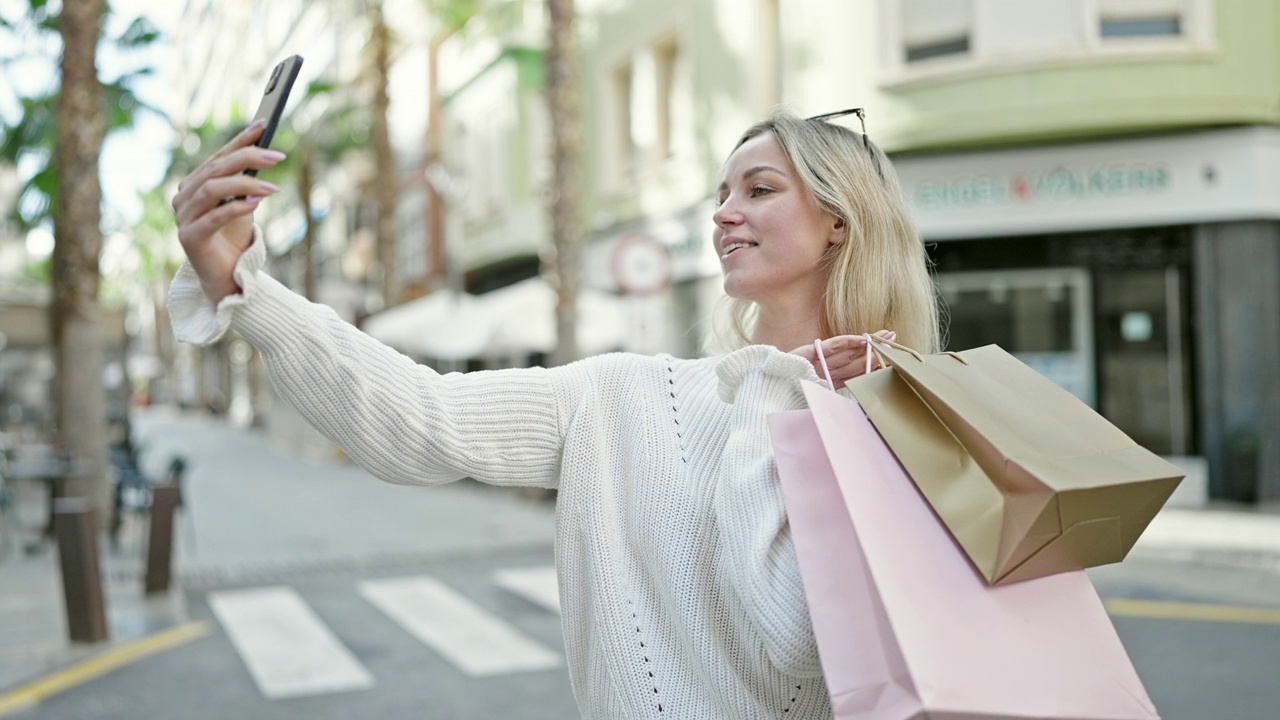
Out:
{"x": 275, "y": 76}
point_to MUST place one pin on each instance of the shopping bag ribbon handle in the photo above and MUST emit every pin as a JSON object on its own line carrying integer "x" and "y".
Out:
{"x": 870, "y": 341}
{"x": 826, "y": 374}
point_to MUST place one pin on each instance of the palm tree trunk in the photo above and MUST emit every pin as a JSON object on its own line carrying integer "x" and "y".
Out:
{"x": 437, "y": 271}
{"x": 566, "y": 226}
{"x": 80, "y": 396}
{"x": 306, "y": 173}
{"x": 384, "y": 181}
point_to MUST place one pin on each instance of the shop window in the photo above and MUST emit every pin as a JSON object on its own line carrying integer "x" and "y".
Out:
{"x": 1040, "y": 316}
{"x": 936, "y": 28}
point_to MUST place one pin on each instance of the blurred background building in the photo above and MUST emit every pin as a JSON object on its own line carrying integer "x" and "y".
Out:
{"x": 1098, "y": 182}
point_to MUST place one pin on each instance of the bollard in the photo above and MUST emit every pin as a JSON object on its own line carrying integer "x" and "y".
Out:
{"x": 81, "y": 578}
{"x": 164, "y": 499}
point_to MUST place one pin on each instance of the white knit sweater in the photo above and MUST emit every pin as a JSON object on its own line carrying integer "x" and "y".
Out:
{"x": 679, "y": 588}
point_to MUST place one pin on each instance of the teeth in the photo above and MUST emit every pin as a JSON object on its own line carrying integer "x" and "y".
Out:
{"x": 734, "y": 246}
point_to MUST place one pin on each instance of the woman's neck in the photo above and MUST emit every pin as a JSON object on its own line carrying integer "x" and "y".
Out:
{"x": 788, "y": 328}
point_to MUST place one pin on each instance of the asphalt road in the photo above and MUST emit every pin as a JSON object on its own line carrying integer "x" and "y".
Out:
{"x": 1217, "y": 661}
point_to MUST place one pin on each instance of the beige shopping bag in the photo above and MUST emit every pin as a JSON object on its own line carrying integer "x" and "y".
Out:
{"x": 1030, "y": 480}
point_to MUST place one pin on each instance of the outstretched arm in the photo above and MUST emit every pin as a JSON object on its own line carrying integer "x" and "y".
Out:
{"x": 400, "y": 420}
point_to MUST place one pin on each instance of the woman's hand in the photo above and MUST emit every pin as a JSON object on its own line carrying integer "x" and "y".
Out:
{"x": 214, "y": 234}
{"x": 846, "y": 356}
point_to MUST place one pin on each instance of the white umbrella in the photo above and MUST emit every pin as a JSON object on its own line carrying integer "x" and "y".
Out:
{"x": 444, "y": 325}
{"x": 524, "y": 319}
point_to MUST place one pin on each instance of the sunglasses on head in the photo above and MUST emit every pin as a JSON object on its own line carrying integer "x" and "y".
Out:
{"x": 862, "y": 120}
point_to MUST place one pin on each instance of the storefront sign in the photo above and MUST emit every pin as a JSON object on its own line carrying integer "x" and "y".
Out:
{"x": 1059, "y": 183}
{"x": 1209, "y": 176}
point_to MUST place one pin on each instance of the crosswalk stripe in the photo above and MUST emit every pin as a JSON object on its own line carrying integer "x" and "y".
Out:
{"x": 289, "y": 651}
{"x": 535, "y": 584}
{"x": 474, "y": 640}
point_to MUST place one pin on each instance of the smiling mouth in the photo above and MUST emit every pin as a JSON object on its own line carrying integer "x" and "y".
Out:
{"x": 733, "y": 247}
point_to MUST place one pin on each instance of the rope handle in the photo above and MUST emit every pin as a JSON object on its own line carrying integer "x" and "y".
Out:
{"x": 871, "y": 339}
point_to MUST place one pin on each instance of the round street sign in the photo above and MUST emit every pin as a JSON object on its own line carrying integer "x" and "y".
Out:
{"x": 641, "y": 265}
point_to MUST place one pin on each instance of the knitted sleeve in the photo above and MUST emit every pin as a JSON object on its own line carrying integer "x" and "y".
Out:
{"x": 401, "y": 421}
{"x": 754, "y": 532}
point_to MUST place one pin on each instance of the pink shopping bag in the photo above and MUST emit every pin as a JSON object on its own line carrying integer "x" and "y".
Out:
{"x": 906, "y": 628}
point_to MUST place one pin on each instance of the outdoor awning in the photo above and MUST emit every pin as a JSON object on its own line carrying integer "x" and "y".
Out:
{"x": 513, "y": 321}
{"x": 444, "y": 325}
{"x": 526, "y": 322}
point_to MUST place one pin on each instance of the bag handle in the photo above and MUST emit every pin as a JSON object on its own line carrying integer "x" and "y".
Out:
{"x": 871, "y": 339}
{"x": 826, "y": 374}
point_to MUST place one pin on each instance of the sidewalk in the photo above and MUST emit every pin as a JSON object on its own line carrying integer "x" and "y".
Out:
{"x": 257, "y": 513}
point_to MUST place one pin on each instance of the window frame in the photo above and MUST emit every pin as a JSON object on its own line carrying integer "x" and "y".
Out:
{"x": 1198, "y": 39}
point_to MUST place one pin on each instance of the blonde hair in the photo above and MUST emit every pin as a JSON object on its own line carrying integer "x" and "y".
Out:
{"x": 879, "y": 273}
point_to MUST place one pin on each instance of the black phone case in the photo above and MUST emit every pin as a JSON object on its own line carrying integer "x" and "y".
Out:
{"x": 274, "y": 98}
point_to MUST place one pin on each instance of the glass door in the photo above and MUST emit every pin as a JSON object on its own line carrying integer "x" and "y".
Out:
{"x": 1143, "y": 358}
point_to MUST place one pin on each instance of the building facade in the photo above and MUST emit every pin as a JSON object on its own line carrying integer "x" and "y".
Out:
{"x": 1097, "y": 182}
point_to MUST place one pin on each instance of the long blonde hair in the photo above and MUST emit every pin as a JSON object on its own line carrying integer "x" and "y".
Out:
{"x": 879, "y": 272}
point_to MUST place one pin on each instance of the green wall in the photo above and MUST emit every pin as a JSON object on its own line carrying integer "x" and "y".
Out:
{"x": 1236, "y": 83}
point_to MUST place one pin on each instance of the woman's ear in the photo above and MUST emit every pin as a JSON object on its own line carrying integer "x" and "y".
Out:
{"x": 837, "y": 231}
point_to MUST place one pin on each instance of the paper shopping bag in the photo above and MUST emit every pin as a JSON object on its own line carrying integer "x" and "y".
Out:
{"x": 1029, "y": 479}
{"x": 906, "y": 629}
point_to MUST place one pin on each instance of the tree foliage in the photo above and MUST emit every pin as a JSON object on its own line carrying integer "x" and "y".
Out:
{"x": 28, "y": 139}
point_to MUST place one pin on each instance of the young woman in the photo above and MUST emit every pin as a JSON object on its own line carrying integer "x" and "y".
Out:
{"x": 678, "y": 582}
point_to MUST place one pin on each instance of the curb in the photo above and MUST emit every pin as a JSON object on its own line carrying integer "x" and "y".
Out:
{"x": 33, "y": 693}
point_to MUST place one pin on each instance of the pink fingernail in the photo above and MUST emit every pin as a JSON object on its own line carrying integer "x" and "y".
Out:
{"x": 253, "y": 201}
{"x": 267, "y": 186}
{"x": 273, "y": 155}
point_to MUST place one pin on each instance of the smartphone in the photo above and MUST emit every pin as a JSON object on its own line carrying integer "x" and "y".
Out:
{"x": 273, "y": 99}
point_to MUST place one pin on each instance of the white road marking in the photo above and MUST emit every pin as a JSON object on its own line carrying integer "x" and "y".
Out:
{"x": 474, "y": 640}
{"x": 289, "y": 651}
{"x": 535, "y": 584}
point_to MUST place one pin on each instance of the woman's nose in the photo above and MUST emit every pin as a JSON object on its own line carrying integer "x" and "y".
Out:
{"x": 727, "y": 214}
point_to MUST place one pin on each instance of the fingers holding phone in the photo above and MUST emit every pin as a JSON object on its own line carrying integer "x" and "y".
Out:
{"x": 215, "y": 203}
{"x": 214, "y": 232}
{"x": 224, "y": 175}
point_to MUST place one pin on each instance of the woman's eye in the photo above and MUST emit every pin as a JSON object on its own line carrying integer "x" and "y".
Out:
{"x": 761, "y": 190}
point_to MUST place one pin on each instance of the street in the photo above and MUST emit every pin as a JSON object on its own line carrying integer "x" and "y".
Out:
{"x": 209, "y": 678}
{"x": 366, "y": 600}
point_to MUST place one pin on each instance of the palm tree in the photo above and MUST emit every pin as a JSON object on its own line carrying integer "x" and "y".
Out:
{"x": 451, "y": 18}
{"x": 566, "y": 226}
{"x": 63, "y": 130}
{"x": 80, "y": 396}
{"x": 384, "y": 178}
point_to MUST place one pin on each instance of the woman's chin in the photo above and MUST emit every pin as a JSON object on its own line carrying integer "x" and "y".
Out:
{"x": 737, "y": 289}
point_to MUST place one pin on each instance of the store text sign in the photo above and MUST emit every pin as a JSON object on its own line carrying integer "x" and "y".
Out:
{"x": 1057, "y": 184}
{"x": 1199, "y": 177}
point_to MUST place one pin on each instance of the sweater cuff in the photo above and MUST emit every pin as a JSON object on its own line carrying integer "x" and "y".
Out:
{"x": 195, "y": 319}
